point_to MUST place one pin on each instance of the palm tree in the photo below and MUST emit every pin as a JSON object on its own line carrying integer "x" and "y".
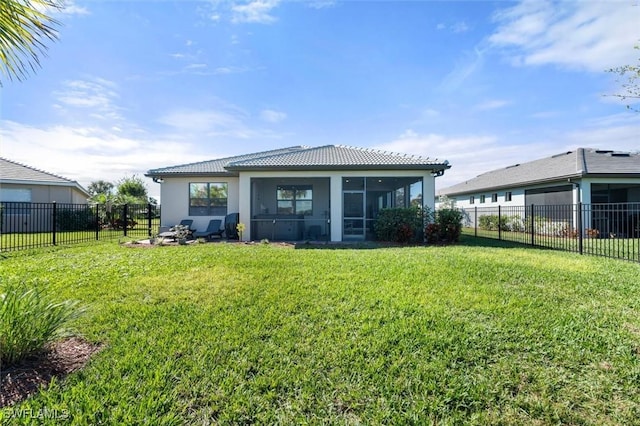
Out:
{"x": 24, "y": 28}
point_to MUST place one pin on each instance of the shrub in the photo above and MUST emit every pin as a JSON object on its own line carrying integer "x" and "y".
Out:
{"x": 30, "y": 319}
{"x": 446, "y": 226}
{"x": 76, "y": 219}
{"x": 400, "y": 225}
{"x": 450, "y": 222}
{"x": 492, "y": 222}
{"x": 432, "y": 233}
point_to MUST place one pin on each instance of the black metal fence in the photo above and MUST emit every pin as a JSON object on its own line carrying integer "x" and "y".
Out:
{"x": 610, "y": 230}
{"x": 32, "y": 225}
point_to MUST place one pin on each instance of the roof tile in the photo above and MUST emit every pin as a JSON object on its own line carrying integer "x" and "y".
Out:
{"x": 578, "y": 163}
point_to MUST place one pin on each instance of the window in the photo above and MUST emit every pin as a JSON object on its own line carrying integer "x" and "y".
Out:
{"x": 295, "y": 199}
{"x": 507, "y": 196}
{"x": 482, "y": 199}
{"x": 208, "y": 199}
{"x": 494, "y": 197}
{"x": 472, "y": 200}
{"x": 18, "y": 201}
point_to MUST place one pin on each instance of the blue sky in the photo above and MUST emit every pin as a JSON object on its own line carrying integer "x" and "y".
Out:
{"x": 135, "y": 85}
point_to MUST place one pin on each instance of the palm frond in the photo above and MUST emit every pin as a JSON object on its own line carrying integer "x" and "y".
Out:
{"x": 24, "y": 29}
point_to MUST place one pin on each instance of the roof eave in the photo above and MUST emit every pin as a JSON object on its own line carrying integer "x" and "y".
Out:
{"x": 154, "y": 174}
{"x": 422, "y": 167}
{"x": 515, "y": 185}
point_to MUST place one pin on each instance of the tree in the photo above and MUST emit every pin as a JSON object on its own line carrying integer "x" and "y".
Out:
{"x": 100, "y": 187}
{"x": 632, "y": 84}
{"x": 132, "y": 190}
{"x": 24, "y": 29}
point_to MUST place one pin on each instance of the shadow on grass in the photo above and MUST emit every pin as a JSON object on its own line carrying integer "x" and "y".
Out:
{"x": 352, "y": 245}
{"x": 465, "y": 240}
{"x": 472, "y": 241}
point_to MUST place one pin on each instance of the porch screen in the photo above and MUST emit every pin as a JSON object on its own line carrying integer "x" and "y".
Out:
{"x": 296, "y": 200}
{"x": 207, "y": 199}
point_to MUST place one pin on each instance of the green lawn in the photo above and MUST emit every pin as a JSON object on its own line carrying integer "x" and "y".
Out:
{"x": 619, "y": 248}
{"x": 233, "y": 333}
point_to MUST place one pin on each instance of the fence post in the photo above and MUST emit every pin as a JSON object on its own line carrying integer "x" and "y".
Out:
{"x": 533, "y": 226}
{"x": 54, "y": 218}
{"x": 580, "y": 230}
{"x": 97, "y": 221}
{"x": 149, "y": 217}
{"x": 125, "y": 213}
{"x": 499, "y": 224}
{"x": 475, "y": 221}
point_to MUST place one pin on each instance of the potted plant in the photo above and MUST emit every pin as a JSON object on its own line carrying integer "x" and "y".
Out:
{"x": 181, "y": 232}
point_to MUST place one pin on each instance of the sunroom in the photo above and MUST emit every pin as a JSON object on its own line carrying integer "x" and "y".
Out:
{"x": 295, "y": 209}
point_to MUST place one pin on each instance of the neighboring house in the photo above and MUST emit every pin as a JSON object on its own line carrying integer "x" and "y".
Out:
{"x": 589, "y": 176}
{"x": 584, "y": 175}
{"x": 329, "y": 192}
{"x": 22, "y": 186}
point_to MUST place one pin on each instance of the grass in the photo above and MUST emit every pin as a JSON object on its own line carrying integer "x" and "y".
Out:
{"x": 30, "y": 318}
{"x": 34, "y": 240}
{"x": 232, "y": 333}
{"x": 620, "y": 248}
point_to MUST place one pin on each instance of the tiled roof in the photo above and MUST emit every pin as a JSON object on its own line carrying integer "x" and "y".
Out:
{"x": 579, "y": 163}
{"x": 326, "y": 157}
{"x": 337, "y": 156}
{"x": 214, "y": 167}
{"x": 12, "y": 171}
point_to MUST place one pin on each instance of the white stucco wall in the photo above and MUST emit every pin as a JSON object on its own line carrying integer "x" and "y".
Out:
{"x": 174, "y": 193}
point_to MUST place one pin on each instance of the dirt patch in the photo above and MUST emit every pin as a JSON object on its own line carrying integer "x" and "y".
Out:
{"x": 20, "y": 381}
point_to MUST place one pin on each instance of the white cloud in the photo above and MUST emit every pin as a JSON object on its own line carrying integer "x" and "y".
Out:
{"x": 94, "y": 96}
{"x": 492, "y": 104}
{"x": 230, "y": 70}
{"x": 225, "y": 122}
{"x": 87, "y": 154}
{"x": 321, "y": 4}
{"x": 471, "y": 155}
{"x": 272, "y": 116}
{"x": 196, "y": 66}
{"x": 70, "y": 8}
{"x": 464, "y": 68}
{"x": 256, "y": 11}
{"x": 201, "y": 121}
{"x": 67, "y": 7}
{"x": 585, "y": 35}
{"x": 460, "y": 27}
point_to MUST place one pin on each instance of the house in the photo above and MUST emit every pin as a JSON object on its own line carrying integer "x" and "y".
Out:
{"x": 606, "y": 182}
{"x": 584, "y": 175}
{"x": 329, "y": 192}
{"x": 22, "y": 186}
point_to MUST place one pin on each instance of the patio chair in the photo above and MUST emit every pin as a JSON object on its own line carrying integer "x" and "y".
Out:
{"x": 213, "y": 230}
{"x": 230, "y": 225}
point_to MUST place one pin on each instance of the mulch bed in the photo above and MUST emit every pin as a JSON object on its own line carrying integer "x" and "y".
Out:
{"x": 20, "y": 381}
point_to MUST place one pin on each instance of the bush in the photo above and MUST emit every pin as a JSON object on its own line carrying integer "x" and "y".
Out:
{"x": 446, "y": 226}
{"x": 29, "y": 320}
{"x": 492, "y": 222}
{"x": 450, "y": 222}
{"x": 76, "y": 219}
{"x": 400, "y": 225}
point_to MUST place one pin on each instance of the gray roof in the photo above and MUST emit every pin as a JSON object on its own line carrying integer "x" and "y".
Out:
{"x": 13, "y": 172}
{"x": 571, "y": 164}
{"x": 214, "y": 167}
{"x": 328, "y": 157}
